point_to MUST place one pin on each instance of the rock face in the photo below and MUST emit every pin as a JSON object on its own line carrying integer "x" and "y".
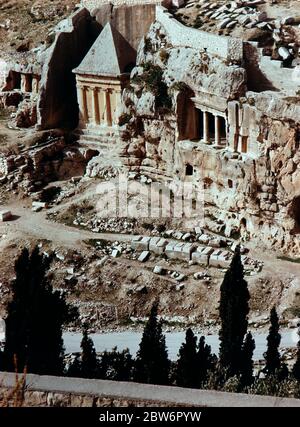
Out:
{"x": 49, "y": 160}
{"x": 57, "y": 104}
{"x": 251, "y": 175}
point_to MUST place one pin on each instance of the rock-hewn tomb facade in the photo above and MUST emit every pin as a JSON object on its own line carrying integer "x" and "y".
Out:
{"x": 172, "y": 100}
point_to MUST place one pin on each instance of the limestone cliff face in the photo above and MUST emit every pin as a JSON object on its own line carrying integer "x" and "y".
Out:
{"x": 251, "y": 190}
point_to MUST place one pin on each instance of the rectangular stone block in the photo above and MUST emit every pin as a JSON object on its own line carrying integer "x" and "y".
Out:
{"x": 153, "y": 242}
{"x": 214, "y": 258}
{"x": 135, "y": 241}
{"x": 141, "y": 245}
{"x": 225, "y": 259}
{"x": 208, "y": 250}
{"x": 160, "y": 247}
{"x": 5, "y": 216}
{"x": 201, "y": 255}
{"x": 169, "y": 251}
{"x": 187, "y": 250}
{"x": 144, "y": 256}
{"x": 176, "y": 252}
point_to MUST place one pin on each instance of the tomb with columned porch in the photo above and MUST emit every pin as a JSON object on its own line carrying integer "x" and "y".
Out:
{"x": 100, "y": 79}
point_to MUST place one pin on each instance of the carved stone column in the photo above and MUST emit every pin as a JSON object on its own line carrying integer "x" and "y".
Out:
{"x": 23, "y": 83}
{"x": 217, "y": 130}
{"x": 82, "y": 102}
{"x": 108, "y": 108}
{"x": 205, "y": 127}
{"x": 96, "y": 112}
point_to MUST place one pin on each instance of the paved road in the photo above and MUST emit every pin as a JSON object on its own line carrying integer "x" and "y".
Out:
{"x": 131, "y": 340}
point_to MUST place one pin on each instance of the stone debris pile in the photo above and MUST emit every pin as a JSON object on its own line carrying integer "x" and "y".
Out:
{"x": 115, "y": 225}
{"x": 224, "y": 16}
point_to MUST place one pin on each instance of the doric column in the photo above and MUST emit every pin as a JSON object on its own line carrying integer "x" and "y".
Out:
{"x": 108, "y": 108}
{"x": 205, "y": 127}
{"x": 96, "y": 115}
{"x": 35, "y": 84}
{"x": 23, "y": 82}
{"x": 118, "y": 102}
{"x": 217, "y": 130}
{"x": 82, "y": 102}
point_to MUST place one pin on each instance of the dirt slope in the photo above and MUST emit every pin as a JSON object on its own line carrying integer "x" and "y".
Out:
{"x": 24, "y": 24}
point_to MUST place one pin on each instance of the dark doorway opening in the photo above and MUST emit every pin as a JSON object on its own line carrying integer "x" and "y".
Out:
{"x": 295, "y": 214}
{"x": 211, "y": 125}
{"x": 223, "y": 133}
{"x": 189, "y": 170}
{"x": 200, "y": 124}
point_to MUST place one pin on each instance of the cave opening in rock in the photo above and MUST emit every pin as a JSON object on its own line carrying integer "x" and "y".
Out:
{"x": 230, "y": 183}
{"x": 211, "y": 126}
{"x": 15, "y": 80}
{"x": 189, "y": 118}
{"x": 243, "y": 222}
{"x": 189, "y": 170}
{"x": 295, "y": 213}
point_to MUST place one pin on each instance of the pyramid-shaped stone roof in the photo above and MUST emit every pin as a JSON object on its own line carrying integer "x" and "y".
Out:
{"x": 109, "y": 55}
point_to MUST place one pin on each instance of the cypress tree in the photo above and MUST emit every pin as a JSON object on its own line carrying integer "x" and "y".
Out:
{"x": 234, "y": 309}
{"x": 74, "y": 369}
{"x": 296, "y": 367}
{"x": 152, "y": 363}
{"x": 187, "y": 364}
{"x": 89, "y": 361}
{"x": 272, "y": 355}
{"x": 35, "y": 317}
{"x": 206, "y": 361}
{"x": 116, "y": 366}
{"x": 247, "y": 360}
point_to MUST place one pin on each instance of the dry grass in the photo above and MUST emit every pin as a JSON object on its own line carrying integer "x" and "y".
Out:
{"x": 14, "y": 397}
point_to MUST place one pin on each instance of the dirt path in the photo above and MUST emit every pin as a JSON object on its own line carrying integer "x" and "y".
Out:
{"x": 35, "y": 225}
{"x": 31, "y": 225}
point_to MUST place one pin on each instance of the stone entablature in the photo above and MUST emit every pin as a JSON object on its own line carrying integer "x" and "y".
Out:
{"x": 229, "y": 48}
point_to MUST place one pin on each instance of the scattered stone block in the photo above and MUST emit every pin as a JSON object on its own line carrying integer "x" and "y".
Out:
{"x": 177, "y": 235}
{"x": 141, "y": 245}
{"x": 159, "y": 249}
{"x": 186, "y": 236}
{"x": 144, "y": 256}
{"x": 200, "y": 275}
{"x": 204, "y": 238}
{"x": 169, "y": 250}
{"x": 178, "y": 251}
{"x": 39, "y": 205}
{"x": 187, "y": 250}
{"x": 135, "y": 241}
{"x": 214, "y": 258}
{"x": 142, "y": 289}
{"x": 198, "y": 230}
{"x": 153, "y": 242}
{"x": 115, "y": 253}
{"x": 159, "y": 270}
{"x": 5, "y": 216}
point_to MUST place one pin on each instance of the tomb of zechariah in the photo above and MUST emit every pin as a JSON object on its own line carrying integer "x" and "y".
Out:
{"x": 171, "y": 89}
